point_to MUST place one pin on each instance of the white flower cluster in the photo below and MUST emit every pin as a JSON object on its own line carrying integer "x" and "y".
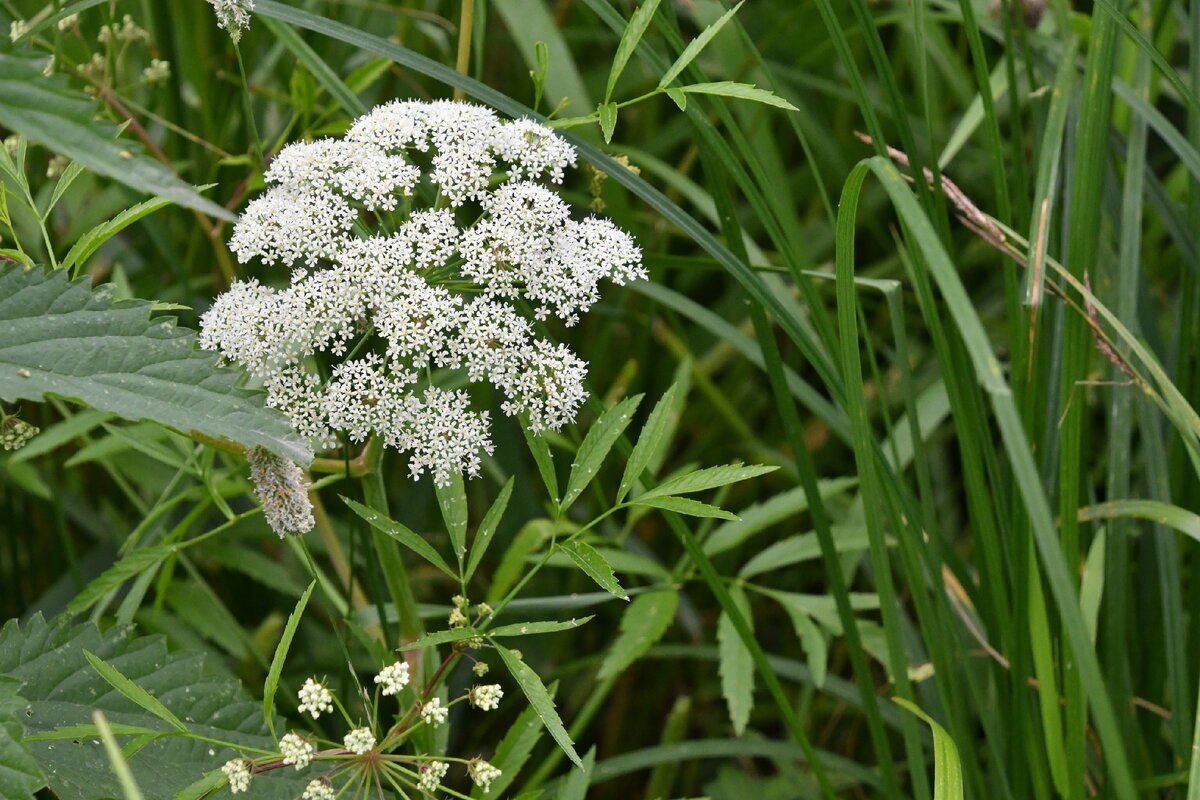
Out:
{"x": 393, "y": 677}
{"x": 412, "y": 242}
{"x": 318, "y": 789}
{"x": 233, "y": 15}
{"x": 486, "y": 697}
{"x": 359, "y": 741}
{"x": 482, "y": 773}
{"x": 315, "y": 698}
{"x": 434, "y": 713}
{"x": 296, "y": 750}
{"x": 432, "y": 773}
{"x": 238, "y": 772}
{"x": 15, "y": 433}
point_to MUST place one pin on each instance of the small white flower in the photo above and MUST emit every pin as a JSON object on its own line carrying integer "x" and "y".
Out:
{"x": 432, "y": 773}
{"x": 486, "y": 697}
{"x": 315, "y": 698}
{"x": 233, "y": 15}
{"x": 69, "y": 22}
{"x": 482, "y": 773}
{"x": 238, "y": 771}
{"x": 433, "y": 714}
{"x": 359, "y": 741}
{"x": 17, "y": 28}
{"x": 480, "y": 668}
{"x": 158, "y": 71}
{"x": 296, "y": 750}
{"x": 393, "y": 677}
{"x": 318, "y": 789}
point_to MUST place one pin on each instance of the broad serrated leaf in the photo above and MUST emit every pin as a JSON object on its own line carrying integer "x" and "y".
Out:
{"x": 684, "y": 505}
{"x": 607, "y": 113}
{"x": 91, "y": 241}
{"x": 452, "y": 502}
{"x": 653, "y": 432}
{"x": 47, "y": 111}
{"x": 695, "y": 46}
{"x": 644, "y": 622}
{"x": 544, "y": 460}
{"x": 634, "y": 31}
{"x": 62, "y": 690}
{"x": 813, "y": 642}
{"x": 271, "y": 684}
{"x": 61, "y": 338}
{"x": 599, "y": 440}
{"x": 588, "y": 559}
{"x": 539, "y": 698}
{"x": 487, "y": 529}
{"x": 514, "y": 750}
{"x": 134, "y": 692}
{"x": 532, "y": 628}
{"x": 20, "y": 775}
{"x": 736, "y": 666}
{"x": 441, "y": 637}
{"x": 739, "y": 91}
{"x": 402, "y": 534}
{"x": 707, "y": 478}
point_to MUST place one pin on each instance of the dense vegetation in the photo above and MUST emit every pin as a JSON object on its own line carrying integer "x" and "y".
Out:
{"x": 899, "y": 478}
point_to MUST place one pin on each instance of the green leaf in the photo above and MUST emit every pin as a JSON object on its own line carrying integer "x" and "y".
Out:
{"x": 133, "y": 564}
{"x": 539, "y": 698}
{"x": 739, "y": 91}
{"x": 736, "y": 666}
{"x": 402, "y": 534}
{"x": 532, "y": 628}
{"x": 805, "y": 547}
{"x": 441, "y": 637}
{"x": 62, "y": 338}
{"x": 684, "y": 505}
{"x": 531, "y": 24}
{"x": 597, "y": 568}
{"x": 649, "y": 440}
{"x": 707, "y": 478}
{"x": 599, "y": 440}
{"x": 120, "y": 766}
{"x": 281, "y": 650}
{"x": 695, "y": 46}
{"x": 544, "y": 460}
{"x": 607, "y": 112}
{"x": 46, "y": 111}
{"x": 20, "y": 775}
{"x": 512, "y": 564}
{"x": 575, "y": 786}
{"x": 91, "y": 241}
{"x": 644, "y": 622}
{"x": 134, "y": 692}
{"x": 679, "y": 97}
{"x": 452, "y": 502}
{"x": 761, "y": 516}
{"x": 947, "y": 770}
{"x": 487, "y": 529}
{"x": 61, "y": 690}
{"x": 634, "y": 32}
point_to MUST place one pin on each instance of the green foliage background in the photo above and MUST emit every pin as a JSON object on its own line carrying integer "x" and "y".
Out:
{"x": 988, "y": 450}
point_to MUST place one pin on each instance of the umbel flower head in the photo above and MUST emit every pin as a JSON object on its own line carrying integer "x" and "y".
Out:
{"x": 425, "y": 244}
{"x": 233, "y": 15}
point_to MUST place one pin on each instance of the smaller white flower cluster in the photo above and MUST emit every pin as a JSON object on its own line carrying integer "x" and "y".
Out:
{"x": 296, "y": 750}
{"x": 282, "y": 490}
{"x": 486, "y": 697}
{"x": 359, "y": 741}
{"x": 238, "y": 771}
{"x": 315, "y": 699}
{"x": 318, "y": 789}
{"x": 432, "y": 773}
{"x": 434, "y": 713}
{"x": 15, "y": 433}
{"x": 482, "y": 773}
{"x": 393, "y": 677}
{"x": 233, "y": 15}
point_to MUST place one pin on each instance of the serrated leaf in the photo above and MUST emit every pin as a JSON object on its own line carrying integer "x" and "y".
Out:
{"x": 607, "y": 113}
{"x": 271, "y": 684}
{"x": 736, "y": 666}
{"x": 588, "y": 559}
{"x": 544, "y": 460}
{"x": 760, "y": 516}
{"x": 634, "y": 31}
{"x": 47, "y": 111}
{"x": 20, "y": 775}
{"x": 512, "y": 564}
{"x": 679, "y": 97}
{"x": 812, "y": 640}
{"x": 91, "y": 241}
{"x": 532, "y": 628}
{"x": 707, "y": 478}
{"x": 402, "y": 534}
{"x": 643, "y": 624}
{"x": 487, "y": 529}
{"x": 113, "y": 577}
{"x": 540, "y": 699}
{"x": 596, "y": 445}
{"x": 739, "y": 91}
{"x": 441, "y": 637}
{"x": 684, "y": 505}
{"x": 695, "y": 46}
{"x": 452, "y": 502}
{"x": 62, "y": 689}
{"x": 648, "y": 442}
{"x": 134, "y": 692}
{"x": 575, "y": 785}
{"x": 805, "y": 547}
{"x": 62, "y": 338}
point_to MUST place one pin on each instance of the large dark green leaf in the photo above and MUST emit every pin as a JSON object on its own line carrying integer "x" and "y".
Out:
{"x": 62, "y": 690}
{"x": 20, "y": 776}
{"x": 45, "y": 111}
{"x": 62, "y": 338}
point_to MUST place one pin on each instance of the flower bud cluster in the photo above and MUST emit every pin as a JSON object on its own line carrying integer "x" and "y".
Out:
{"x": 413, "y": 242}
